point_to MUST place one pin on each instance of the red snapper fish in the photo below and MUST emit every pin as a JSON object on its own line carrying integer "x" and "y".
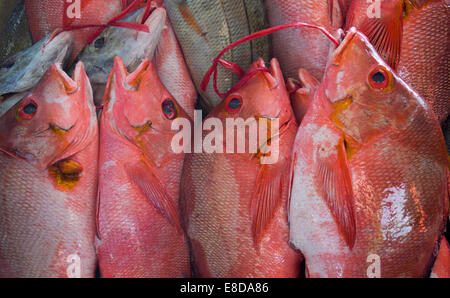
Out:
{"x": 139, "y": 228}
{"x": 370, "y": 194}
{"x": 234, "y": 206}
{"x": 48, "y": 162}
{"x": 413, "y": 38}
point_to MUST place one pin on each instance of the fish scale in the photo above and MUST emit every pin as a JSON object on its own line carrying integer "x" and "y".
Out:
{"x": 205, "y": 27}
{"x": 424, "y": 58}
{"x": 302, "y": 48}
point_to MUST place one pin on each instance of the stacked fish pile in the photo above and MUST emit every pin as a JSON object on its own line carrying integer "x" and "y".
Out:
{"x": 121, "y": 125}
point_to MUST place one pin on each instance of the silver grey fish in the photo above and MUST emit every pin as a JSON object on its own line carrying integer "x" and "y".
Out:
{"x": 6, "y": 8}
{"x": 15, "y": 35}
{"x": 132, "y": 46}
{"x": 23, "y": 70}
{"x": 205, "y": 27}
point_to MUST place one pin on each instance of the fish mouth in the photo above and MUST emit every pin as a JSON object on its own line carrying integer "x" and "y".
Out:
{"x": 349, "y": 37}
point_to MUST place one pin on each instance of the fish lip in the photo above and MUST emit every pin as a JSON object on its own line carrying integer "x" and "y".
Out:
{"x": 349, "y": 37}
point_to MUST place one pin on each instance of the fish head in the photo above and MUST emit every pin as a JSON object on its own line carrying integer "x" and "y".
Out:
{"x": 263, "y": 96}
{"x": 23, "y": 70}
{"x": 364, "y": 95}
{"x": 132, "y": 46}
{"x": 53, "y": 121}
{"x": 140, "y": 108}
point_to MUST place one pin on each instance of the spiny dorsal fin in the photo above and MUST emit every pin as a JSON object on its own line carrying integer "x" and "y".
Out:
{"x": 386, "y": 37}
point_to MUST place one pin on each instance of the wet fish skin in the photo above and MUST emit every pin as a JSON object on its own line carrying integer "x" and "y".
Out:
{"x": 416, "y": 44}
{"x": 205, "y": 27}
{"x": 303, "y": 48}
{"x": 222, "y": 193}
{"x": 15, "y": 36}
{"x": 375, "y": 146}
{"x": 139, "y": 176}
{"x": 49, "y": 179}
{"x": 133, "y": 47}
{"x": 428, "y": 72}
{"x": 22, "y": 71}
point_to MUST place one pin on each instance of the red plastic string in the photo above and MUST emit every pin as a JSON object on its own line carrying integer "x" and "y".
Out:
{"x": 212, "y": 71}
{"x": 147, "y": 11}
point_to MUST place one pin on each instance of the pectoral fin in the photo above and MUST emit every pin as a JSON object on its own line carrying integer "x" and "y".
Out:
{"x": 335, "y": 187}
{"x": 267, "y": 197}
{"x": 147, "y": 181}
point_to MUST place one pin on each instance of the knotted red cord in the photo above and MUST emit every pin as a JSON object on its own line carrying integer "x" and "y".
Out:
{"x": 212, "y": 71}
{"x": 114, "y": 22}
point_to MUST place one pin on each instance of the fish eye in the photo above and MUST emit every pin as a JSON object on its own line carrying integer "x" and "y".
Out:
{"x": 379, "y": 78}
{"x": 99, "y": 43}
{"x": 28, "y": 109}
{"x": 169, "y": 109}
{"x": 234, "y": 103}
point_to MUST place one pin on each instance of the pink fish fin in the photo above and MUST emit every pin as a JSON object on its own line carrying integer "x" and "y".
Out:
{"x": 441, "y": 267}
{"x": 386, "y": 36}
{"x": 301, "y": 92}
{"x": 97, "y": 214}
{"x": 147, "y": 181}
{"x": 266, "y": 198}
{"x": 336, "y": 10}
{"x": 335, "y": 187}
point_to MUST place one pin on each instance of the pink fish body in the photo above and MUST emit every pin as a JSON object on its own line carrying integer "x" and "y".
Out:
{"x": 235, "y": 208}
{"x": 303, "y": 48}
{"x": 139, "y": 227}
{"x": 369, "y": 196}
{"x": 48, "y": 161}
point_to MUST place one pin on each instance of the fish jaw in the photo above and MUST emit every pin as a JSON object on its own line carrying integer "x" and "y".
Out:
{"x": 29, "y": 65}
